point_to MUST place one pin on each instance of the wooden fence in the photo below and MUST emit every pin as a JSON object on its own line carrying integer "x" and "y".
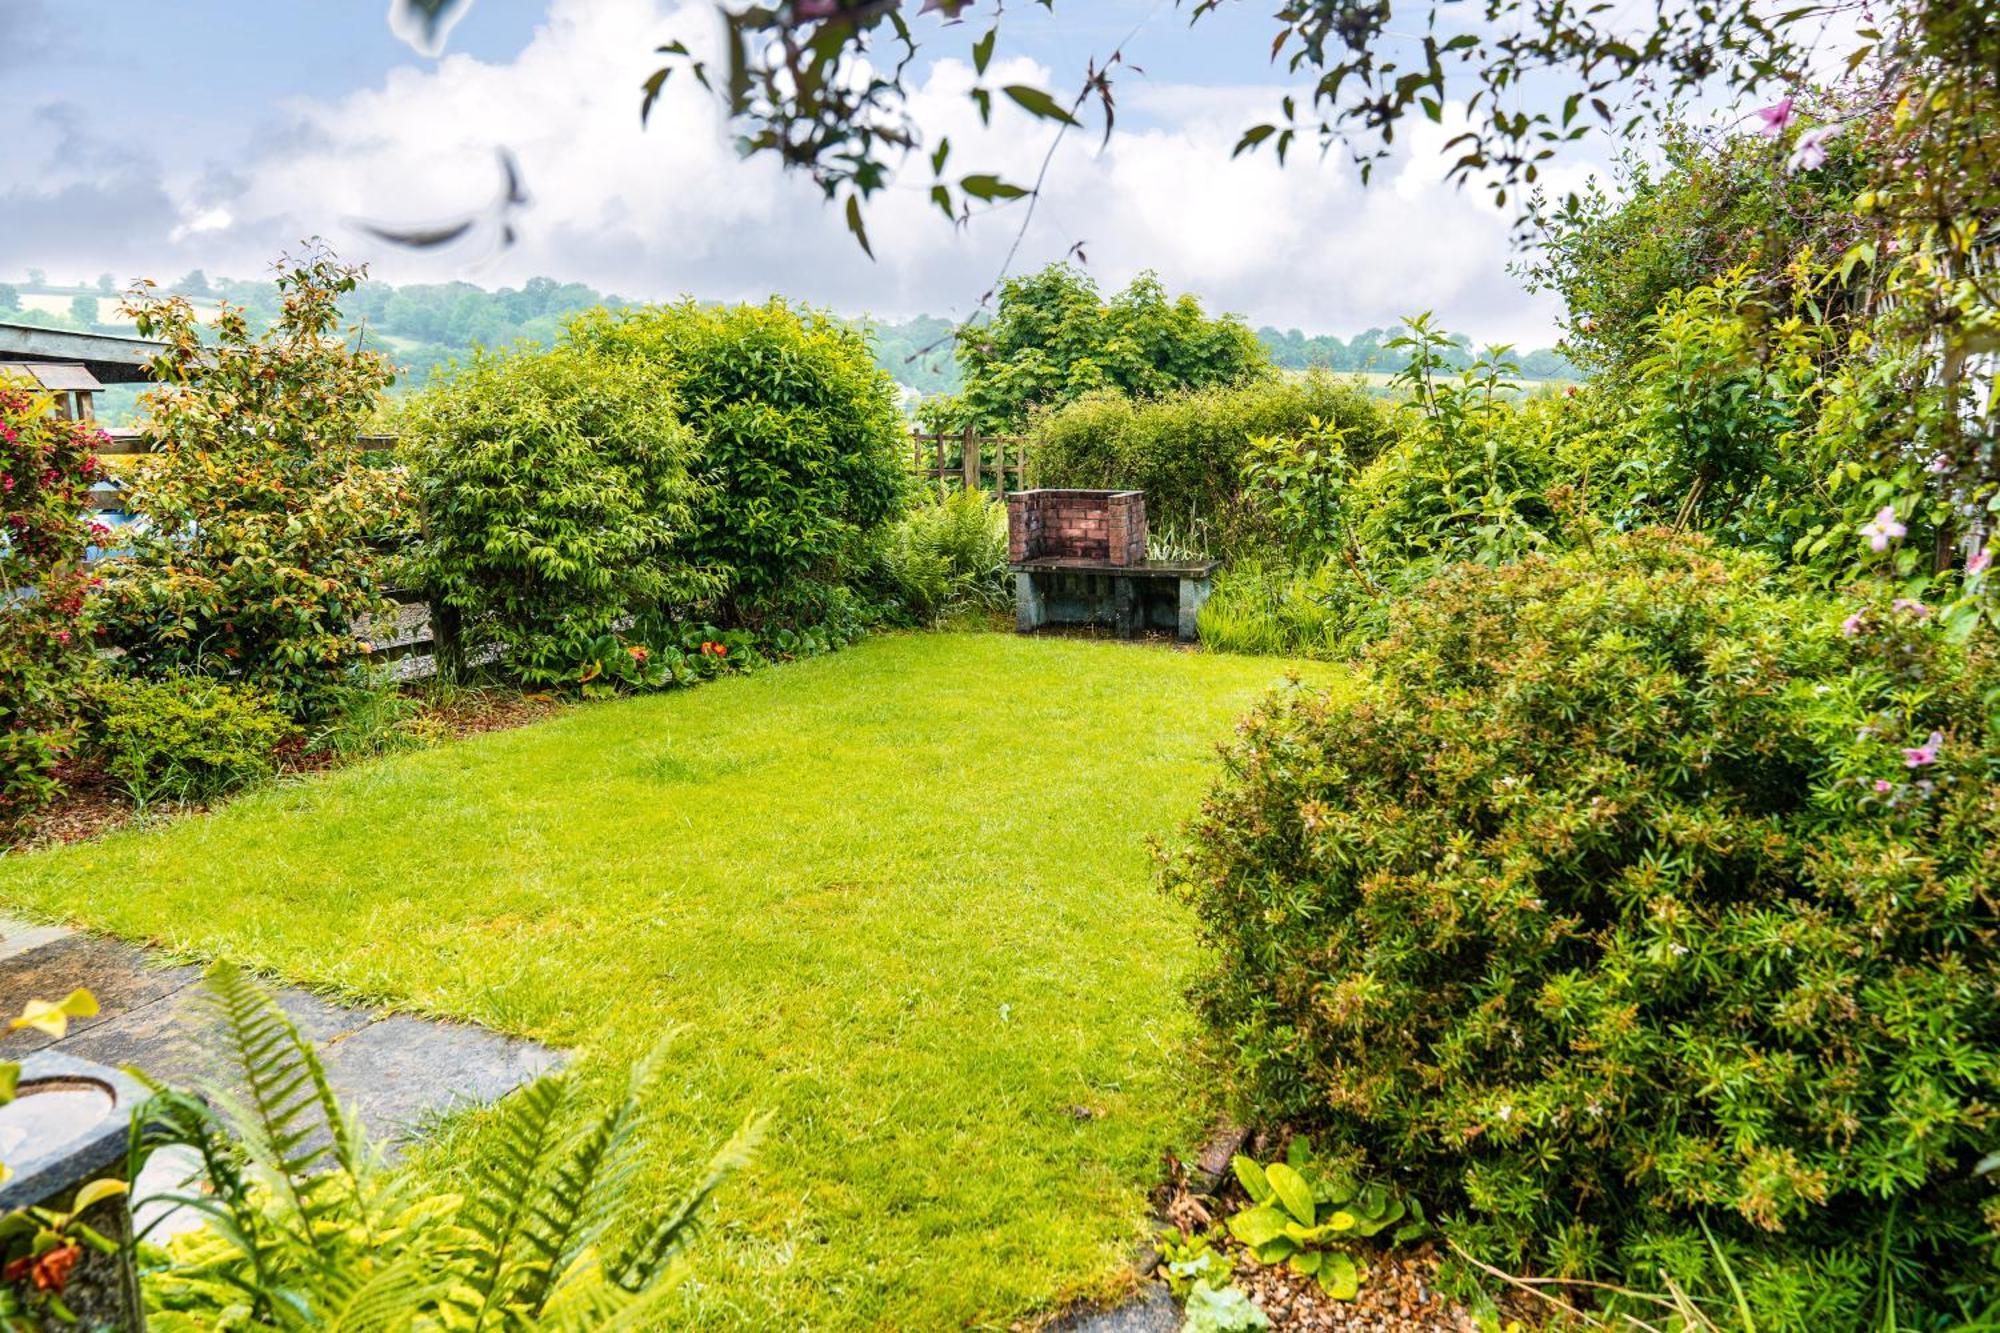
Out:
{"x": 970, "y": 458}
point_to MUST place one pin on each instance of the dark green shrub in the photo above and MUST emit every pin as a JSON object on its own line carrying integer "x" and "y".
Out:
{"x": 555, "y": 500}
{"x": 1629, "y": 895}
{"x": 1188, "y": 450}
{"x": 186, "y": 738}
{"x": 799, "y": 444}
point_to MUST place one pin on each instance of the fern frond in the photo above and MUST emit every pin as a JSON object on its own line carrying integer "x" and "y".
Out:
{"x": 647, "y": 1259}
{"x": 499, "y": 1213}
{"x": 392, "y": 1298}
{"x": 582, "y": 1190}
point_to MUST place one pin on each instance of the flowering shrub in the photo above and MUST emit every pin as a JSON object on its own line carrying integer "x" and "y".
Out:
{"x": 46, "y": 467}
{"x": 1630, "y": 896}
{"x": 264, "y": 524}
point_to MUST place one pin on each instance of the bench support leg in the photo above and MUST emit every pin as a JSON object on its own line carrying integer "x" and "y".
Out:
{"x": 1125, "y": 595}
{"x": 1030, "y": 613}
{"x": 1193, "y": 593}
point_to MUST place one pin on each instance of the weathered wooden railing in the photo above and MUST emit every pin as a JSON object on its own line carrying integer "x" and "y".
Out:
{"x": 970, "y": 458}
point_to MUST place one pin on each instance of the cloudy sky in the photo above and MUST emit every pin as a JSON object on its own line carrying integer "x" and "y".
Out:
{"x": 149, "y": 139}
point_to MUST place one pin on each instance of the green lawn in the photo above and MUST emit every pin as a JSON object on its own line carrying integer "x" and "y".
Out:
{"x": 899, "y": 896}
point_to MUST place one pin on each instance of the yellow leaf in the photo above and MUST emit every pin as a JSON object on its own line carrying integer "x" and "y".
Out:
{"x": 53, "y": 1019}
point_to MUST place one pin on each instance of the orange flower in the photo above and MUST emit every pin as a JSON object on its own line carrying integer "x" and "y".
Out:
{"x": 639, "y": 653}
{"x": 49, "y": 1272}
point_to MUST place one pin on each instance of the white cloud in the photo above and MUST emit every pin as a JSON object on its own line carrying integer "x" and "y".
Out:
{"x": 656, "y": 211}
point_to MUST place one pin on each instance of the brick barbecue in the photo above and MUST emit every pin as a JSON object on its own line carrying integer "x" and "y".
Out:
{"x": 1107, "y": 527}
{"x": 1079, "y": 557}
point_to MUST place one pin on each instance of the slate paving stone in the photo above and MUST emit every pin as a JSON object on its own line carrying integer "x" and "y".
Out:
{"x": 395, "y": 1071}
{"x": 117, "y": 974}
{"x": 401, "y": 1070}
{"x": 1151, "y": 1311}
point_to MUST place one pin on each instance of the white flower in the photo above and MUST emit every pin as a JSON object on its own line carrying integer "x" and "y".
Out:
{"x": 1883, "y": 528}
{"x": 1809, "y": 153}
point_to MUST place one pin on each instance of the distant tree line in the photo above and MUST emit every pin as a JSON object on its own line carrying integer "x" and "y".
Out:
{"x": 1369, "y": 351}
{"x": 425, "y": 325}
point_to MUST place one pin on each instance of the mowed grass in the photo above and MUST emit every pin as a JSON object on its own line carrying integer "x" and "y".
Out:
{"x": 899, "y": 897}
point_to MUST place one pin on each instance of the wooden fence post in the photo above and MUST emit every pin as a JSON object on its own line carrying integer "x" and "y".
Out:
{"x": 447, "y": 643}
{"x": 968, "y": 460}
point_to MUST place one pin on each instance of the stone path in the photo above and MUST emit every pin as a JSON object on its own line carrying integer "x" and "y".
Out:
{"x": 397, "y": 1072}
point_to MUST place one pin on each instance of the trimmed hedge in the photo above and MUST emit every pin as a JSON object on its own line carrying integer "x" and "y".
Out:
{"x": 1186, "y": 450}
{"x": 1631, "y": 896}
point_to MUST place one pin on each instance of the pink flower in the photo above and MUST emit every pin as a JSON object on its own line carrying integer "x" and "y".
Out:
{"x": 1852, "y": 625}
{"x": 1976, "y": 563}
{"x": 1809, "y": 153}
{"x": 1884, "y": 529}
{"x": 1922, "y": 756}
{"x": 1941, "y": 463}
{"x": 1911, "y": 605}
{"x": 1775, "y": 119}
{"x": 1884, "y": 786}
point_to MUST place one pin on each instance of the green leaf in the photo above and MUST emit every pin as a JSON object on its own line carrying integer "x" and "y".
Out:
{"x": 990, "y": 188}
{"x": 855, "y": 224}
{"x": 1251, "y": 1176}
{"x": 982, "y": 50}
{"x": 1339, "y": 1276}
{"x": 1258, "y": 1226}
{"x": 1292, "y": 1191}
{"x": 1038, "y": 103}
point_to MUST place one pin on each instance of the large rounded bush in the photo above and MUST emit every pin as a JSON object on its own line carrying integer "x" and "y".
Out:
{"x": 1628, "y": 895}
{"x": 555, "y": 500}
{"x": 799, "y": 444}
{"x": 1187, "y": 450}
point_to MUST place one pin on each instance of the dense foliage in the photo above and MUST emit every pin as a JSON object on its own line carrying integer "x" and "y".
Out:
{"x": 798, "y": 443}
{"x": 1633, "y": 896}
{"x": 46, "y": 468}
{"x": 552, "y": 490}
{"x": 265, "y": 520}
{"x": 1189, "y": 451}
{"x": 946, "y": 556}
{"x": 1054, "y": 338}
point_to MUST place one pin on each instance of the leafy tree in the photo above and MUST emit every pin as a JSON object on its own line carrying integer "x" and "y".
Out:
{"x": 1054, "y": 339}
{"x": 10, "y": 296}
{"x": 83, "y": 309}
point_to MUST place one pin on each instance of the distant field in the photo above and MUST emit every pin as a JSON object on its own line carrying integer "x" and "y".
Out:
{"x": 58, "y": 303}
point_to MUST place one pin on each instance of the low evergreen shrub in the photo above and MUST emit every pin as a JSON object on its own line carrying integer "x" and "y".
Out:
{"x": 1634, "y": 898}
{"x": 186, "y": 738}
{"x": 556, "y": 502}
